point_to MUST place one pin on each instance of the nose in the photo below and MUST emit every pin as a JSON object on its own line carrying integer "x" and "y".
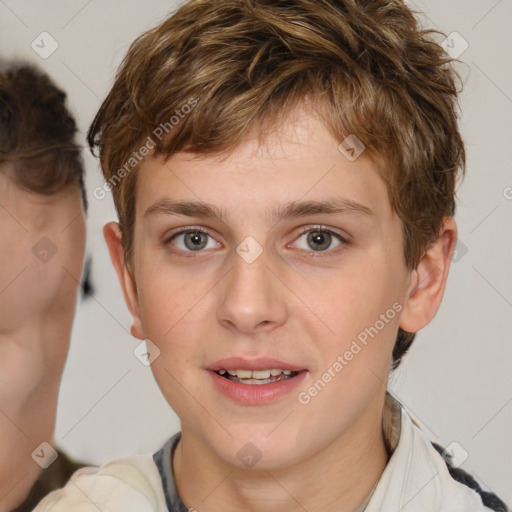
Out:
{"x": 253, "y": 298}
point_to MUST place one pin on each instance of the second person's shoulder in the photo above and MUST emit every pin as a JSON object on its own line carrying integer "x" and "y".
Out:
{"x": 125, "y": 484}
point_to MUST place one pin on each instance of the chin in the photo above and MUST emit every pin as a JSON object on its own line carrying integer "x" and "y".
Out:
{"x": 254, "y": 448}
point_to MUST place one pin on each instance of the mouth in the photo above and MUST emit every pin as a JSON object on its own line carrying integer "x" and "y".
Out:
{"x": 257, "y": 377}
{"x": 256, "y": 381}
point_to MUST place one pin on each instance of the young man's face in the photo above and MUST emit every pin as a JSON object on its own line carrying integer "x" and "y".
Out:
{"x": 41, "y": 254}
{"x": 42, "y": 247}
{"x": 279, "y": 277}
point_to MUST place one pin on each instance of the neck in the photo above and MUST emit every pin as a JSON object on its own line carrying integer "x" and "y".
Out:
{"x": 28, "y": 402}
{"x": 338, "y": 478}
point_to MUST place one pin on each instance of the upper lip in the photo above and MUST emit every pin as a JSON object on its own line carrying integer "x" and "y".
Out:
{"x": 262, "y": 363}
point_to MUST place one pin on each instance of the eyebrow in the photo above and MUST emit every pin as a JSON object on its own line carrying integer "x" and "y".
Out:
{"x": 275, "y": 214}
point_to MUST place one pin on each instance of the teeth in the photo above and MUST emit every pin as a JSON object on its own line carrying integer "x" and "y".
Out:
{"x": 256, "y": 374}
{"x": 260, "y": 374}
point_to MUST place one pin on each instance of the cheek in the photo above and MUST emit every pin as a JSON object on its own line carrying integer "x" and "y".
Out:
{"x": 360, "y": 305}
{"x": 14, "y": 250}
{"x": 171, "y": 306}
{"x": 351, "y": 298}
{"x": 362, "y": 310}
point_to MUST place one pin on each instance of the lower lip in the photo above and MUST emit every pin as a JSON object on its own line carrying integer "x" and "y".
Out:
{"x": 256, "y": 394}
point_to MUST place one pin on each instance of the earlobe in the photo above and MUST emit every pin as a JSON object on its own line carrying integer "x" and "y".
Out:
{"x": 428, "y": 280}
{"x": 113, "y": 238}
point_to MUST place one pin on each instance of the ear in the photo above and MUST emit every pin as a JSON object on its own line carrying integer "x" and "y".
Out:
{"x": 429, "y": 280}
{"x": 113, "y": 237}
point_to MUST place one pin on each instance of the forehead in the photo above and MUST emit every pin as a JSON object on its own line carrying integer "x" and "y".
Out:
{"x": 301, "y": 160}
{"x": 19, "y": 206}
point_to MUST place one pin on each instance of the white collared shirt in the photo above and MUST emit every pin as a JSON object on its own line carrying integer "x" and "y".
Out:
{"x": 416, "y": 479}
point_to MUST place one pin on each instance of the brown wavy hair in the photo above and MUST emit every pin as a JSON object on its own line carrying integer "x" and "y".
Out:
{"x": 37, "y": 132}
{"x": 366, "y": 66}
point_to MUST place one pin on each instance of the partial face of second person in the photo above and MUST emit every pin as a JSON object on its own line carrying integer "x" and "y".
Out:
{"x": 41, "y": 255}
{"x": 321, "y": 279}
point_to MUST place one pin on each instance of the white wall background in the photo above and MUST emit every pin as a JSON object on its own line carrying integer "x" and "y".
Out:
{"x": 456, "y": 381}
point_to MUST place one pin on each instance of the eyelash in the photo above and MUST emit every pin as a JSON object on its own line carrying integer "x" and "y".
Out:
{"x": 306, "y": 229}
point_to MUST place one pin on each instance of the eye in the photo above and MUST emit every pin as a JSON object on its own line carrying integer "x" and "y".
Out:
{"x": 192, "y": 240}
{"x": 319, "y": 240}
